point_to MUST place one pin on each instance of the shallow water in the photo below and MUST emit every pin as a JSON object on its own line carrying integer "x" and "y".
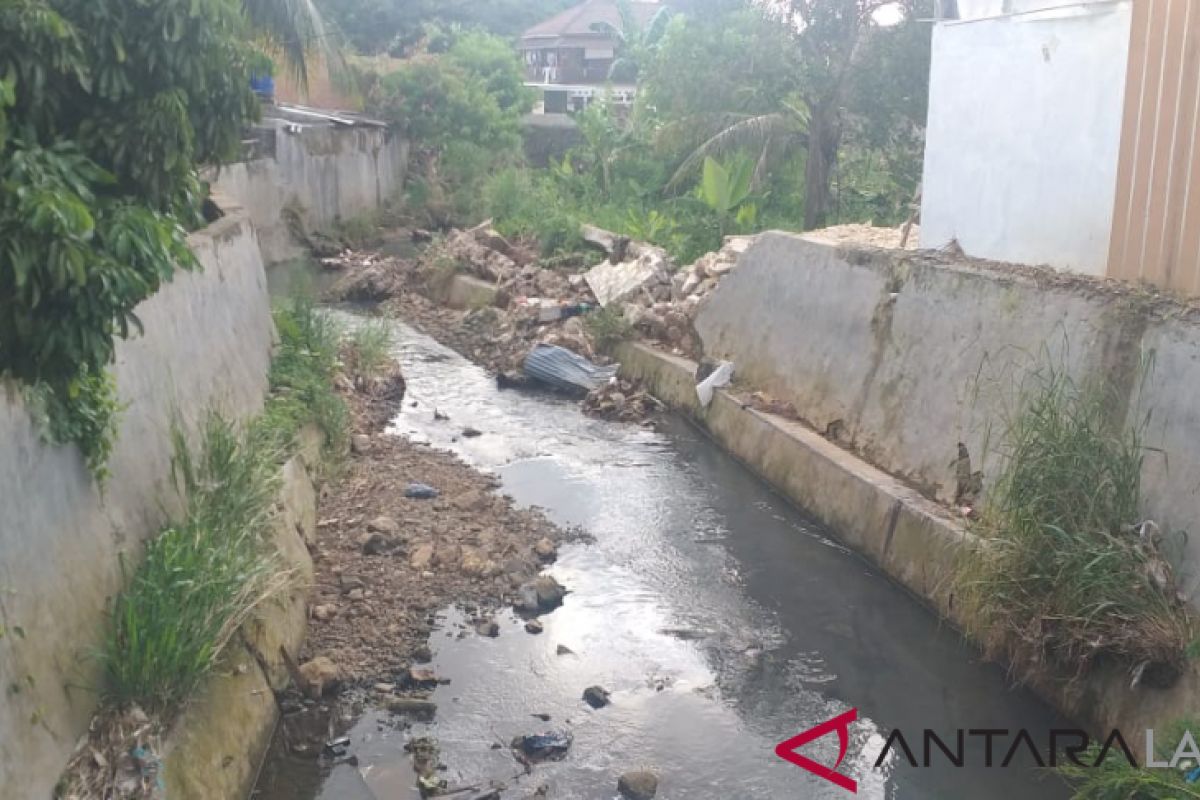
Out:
{"x": 721, "y": 619}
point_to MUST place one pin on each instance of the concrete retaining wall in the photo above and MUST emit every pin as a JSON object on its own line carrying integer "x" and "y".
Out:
{"x": 909, "y": 538}
{"x": 326, "y": 172}
{"x": 207, "y": 344}
{"x": 903, "y": 355}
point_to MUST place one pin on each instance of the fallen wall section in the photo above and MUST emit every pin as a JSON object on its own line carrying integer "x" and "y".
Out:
{"x": 207, "y": 344}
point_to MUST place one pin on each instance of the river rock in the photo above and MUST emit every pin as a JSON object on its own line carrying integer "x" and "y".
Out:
{"x": 423, "y": 677}
{"x": 545, "y": 549}
{"x": 476, "y": 563}
{"x": 638, "y": 785}
{"x": 596, "y": 696}
{"x": 422, "y": 557}
{"x": 563, "y": 650}
{"x": 374, "y": 544}
{"x": 324, "y": 612}
{"x": 488, "y": 627}
{"x": 470, "y": 433}
{"x": 318, "y": 676}
{"x": 384, "y": 524}
{"x": 534, "y": 626}
{"x": 360, "y": 443}
{"x": 550, "y": 592}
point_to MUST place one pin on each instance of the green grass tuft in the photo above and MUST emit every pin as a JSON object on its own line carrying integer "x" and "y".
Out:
{"x": 302, "y": 376}
{"x": 370, "y": 348}
{"x": 1066, "y": 573}
{"x": 200, "y": 579}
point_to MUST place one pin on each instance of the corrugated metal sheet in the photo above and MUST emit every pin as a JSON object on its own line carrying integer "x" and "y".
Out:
{"x": 1156, "y": 217}
{"x": 561, "y": 369}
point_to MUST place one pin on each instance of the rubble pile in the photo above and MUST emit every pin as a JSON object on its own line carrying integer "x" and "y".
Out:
{"x": 620, "y": 399}
{"x": 536, "y": 305}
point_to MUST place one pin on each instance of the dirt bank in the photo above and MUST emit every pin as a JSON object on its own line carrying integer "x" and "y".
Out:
{"x": 386, "y": 562}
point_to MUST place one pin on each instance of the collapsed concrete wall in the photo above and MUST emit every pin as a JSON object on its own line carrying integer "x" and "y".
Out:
{"x": 899, "y": 356}
{"x": 207, "y": 344}
{"x": 324, "y": 172}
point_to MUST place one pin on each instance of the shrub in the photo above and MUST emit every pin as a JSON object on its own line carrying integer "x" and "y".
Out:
{"x": 607, "y": 327}
{"x": 1067, "y": 571}
{"x": 85, "y": 414}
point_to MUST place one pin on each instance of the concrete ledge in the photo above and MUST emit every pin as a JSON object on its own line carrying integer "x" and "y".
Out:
{"x": 214, "y": 750}
{"x": 467, "y": 292}
{"x": 913, "y": 540}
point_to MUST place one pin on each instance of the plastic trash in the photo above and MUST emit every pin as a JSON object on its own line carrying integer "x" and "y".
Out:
{"x": 721, "y": 376}
{"x": 549, "y": 746}
{"x": 561, "y": 369}
{"x": 420, "y": 491}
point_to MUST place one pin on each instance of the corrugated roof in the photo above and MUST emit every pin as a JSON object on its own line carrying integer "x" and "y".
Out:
{"x": 578, "y": 20}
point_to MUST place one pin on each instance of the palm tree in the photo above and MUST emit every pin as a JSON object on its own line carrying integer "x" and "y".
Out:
{"x": 296, "y": 31}
{"x": 635, "y": 42}
{"x": 830, "y": 38}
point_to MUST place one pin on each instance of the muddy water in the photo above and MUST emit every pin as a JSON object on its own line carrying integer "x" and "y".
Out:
{"x": 721, "y": 619}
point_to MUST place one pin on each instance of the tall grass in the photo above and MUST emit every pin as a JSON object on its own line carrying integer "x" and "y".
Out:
{"x": 204, "y": 576}
{"x": 370, "y": 348}
{"x": 201, "y": 578}
{"x": 302, "y": 375}
{"x": 1066, "y": 574}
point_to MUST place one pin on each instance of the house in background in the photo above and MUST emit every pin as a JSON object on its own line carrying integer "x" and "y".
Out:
{"x": 568, "y": 57}
{"x": 1068, "y": 133}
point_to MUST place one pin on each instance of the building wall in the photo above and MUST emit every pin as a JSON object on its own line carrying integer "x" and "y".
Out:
{"x": 1156, "y": 227}
{"x": 1024, "y": 134}
{"x": 899, "y": 356}
{"x": 325, "y": 172}
{"x": 207, "y": 344}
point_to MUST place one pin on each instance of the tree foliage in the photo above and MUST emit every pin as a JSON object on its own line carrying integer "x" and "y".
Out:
{"x": 396, "y": 26}
{"x": 106, "y": 107}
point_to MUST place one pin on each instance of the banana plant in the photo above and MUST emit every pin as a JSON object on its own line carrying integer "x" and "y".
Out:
{"x": 725, "y": 190}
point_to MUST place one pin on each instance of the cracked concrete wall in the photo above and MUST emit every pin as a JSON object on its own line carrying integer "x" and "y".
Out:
{"x": 327, "y": 172}
{"x": 207, "y": 344}
{"x": 900, "y": 356}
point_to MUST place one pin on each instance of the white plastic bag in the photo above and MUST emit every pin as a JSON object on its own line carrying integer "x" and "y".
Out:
{"x": 721, "y": 376}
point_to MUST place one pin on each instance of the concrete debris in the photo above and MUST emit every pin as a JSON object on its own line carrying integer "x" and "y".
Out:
{"x": 621, "y": 399}
{"x": 488, "y": 628}
{"x": 417, "y": 707}
{"x": 632, "y": 267}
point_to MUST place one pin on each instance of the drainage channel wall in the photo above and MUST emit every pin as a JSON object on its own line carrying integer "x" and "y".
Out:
{"x": 206, "y": 344}
{"x": 890, "y": 347}
{"x": 324, "y": 172}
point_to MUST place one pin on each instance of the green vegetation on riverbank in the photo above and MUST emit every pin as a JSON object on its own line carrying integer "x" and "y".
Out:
{"x": 1068, "y": 571}
{"x": 207, "y": 572}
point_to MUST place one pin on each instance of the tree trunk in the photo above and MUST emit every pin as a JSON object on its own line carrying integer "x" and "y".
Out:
{"x": 824, "y": 138}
